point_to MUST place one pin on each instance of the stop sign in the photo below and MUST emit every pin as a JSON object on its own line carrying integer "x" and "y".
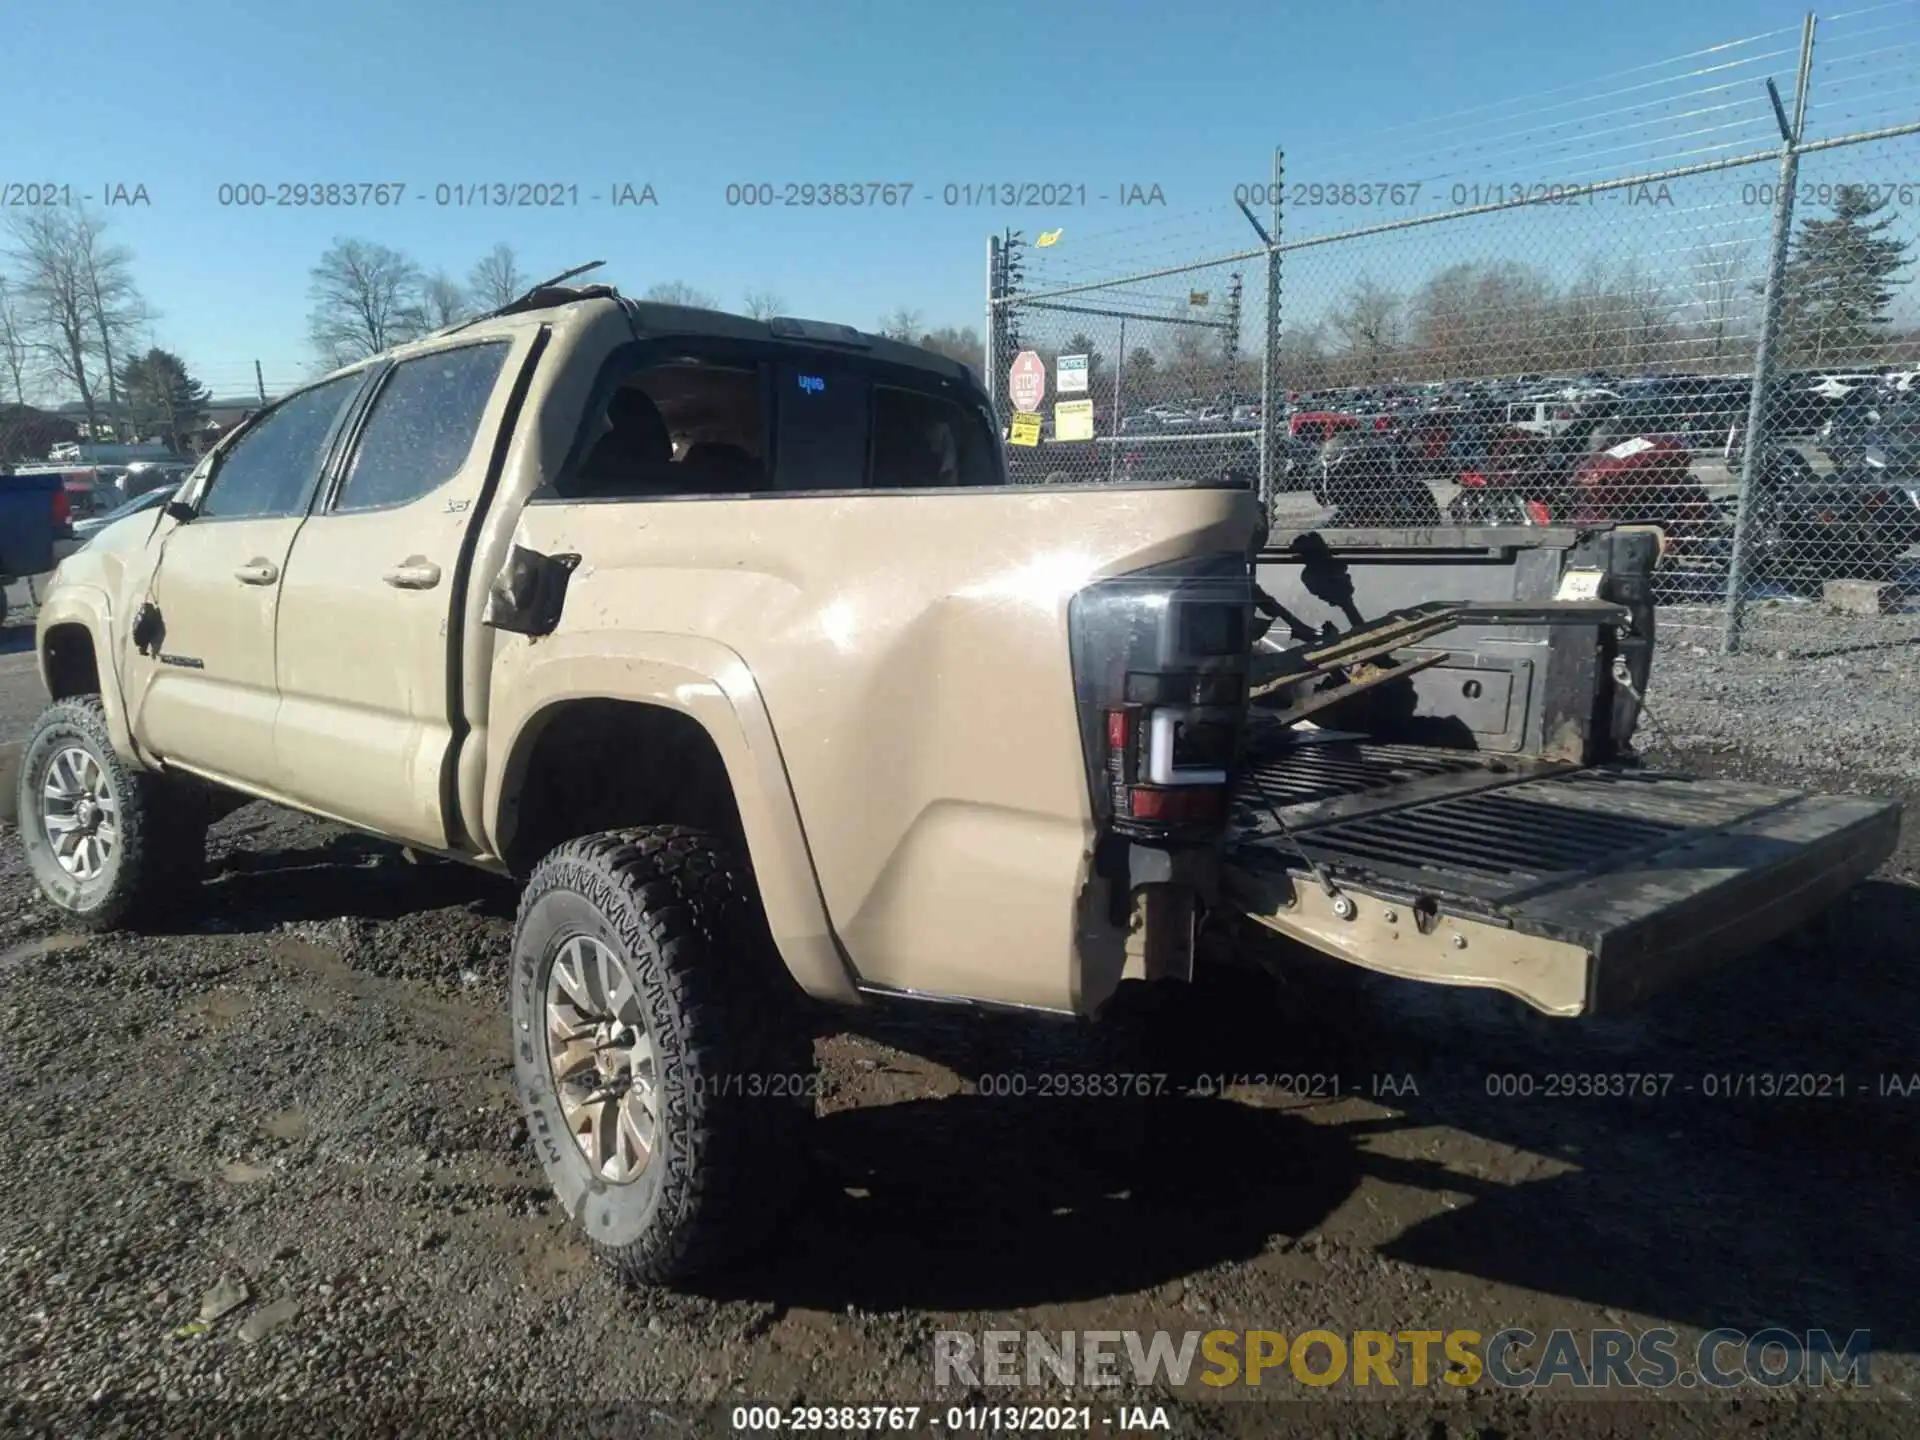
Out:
{"x": 1027, "y": 382}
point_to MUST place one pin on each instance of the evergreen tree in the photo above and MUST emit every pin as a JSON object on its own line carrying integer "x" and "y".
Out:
{"x": 1837, "y": 290}
{"x": 161, "y": 398}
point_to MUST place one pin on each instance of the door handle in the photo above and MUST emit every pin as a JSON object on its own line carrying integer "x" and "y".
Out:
{"x": 416, "y": 572}
{"x": 257, "y": 572}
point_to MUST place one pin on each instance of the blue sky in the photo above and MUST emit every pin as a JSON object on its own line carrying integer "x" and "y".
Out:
{"x": 185, "y": 97}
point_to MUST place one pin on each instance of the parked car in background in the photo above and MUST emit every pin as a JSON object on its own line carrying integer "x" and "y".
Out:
{"x": 35, "y": 516}
{"x": 84, "y": 531}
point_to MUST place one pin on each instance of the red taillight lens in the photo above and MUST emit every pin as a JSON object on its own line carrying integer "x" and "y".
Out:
{"x": 1117, "y": 729}
{"x": 1472, "y": 479}
{"x": 1380, "y": 423}
{"x": 62, "y": 507}
{"x": 1186, "y": 805}
{"x": 1537, "y": 512}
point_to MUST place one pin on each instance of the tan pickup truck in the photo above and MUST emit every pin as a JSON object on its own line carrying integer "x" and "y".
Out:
{"x": 732, "y": 642}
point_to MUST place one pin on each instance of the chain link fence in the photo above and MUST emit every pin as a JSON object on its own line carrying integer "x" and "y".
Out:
{"x": 1573, "y": 307}
{"x": 1156, "y": 377}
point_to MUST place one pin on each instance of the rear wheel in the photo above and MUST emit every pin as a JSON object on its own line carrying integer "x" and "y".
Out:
{"x": 108, "y": 845}
{"x": 660, "y": 1056}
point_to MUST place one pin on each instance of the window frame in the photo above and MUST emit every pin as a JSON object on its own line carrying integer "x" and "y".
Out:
{"x": 326, "y": 500}
{"x": 329, "y": 454}
{"x": 764, "y": 356}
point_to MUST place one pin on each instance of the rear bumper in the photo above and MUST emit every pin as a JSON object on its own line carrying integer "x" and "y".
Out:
{"x": 1608, "y": 886}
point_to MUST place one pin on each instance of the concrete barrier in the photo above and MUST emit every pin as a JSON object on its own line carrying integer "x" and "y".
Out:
{"x": 1859, "y": 597}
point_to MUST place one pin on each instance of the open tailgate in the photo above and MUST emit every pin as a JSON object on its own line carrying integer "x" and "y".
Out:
{"x": 1579, "y": 890}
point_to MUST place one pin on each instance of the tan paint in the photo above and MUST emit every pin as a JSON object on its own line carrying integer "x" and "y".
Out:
{"x": 81, "y": 593}
{"x": 886, "y": 677}
{"x": 1550, "y": 975}
{"x": 921, "y": 695}
{"x": 362, "y": 727}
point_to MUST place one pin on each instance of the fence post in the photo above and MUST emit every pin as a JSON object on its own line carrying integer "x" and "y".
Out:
{"x": 993, "y": 345}
{"x": 1752, "y": 457}
{"x": 1270, "y": 350}
{"x": 1119, "y": 370}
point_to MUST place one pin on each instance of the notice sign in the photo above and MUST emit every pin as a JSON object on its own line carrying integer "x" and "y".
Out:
{"x": 1070, "y": 371}
{"x": 1025, "y": 430}
{"x": 1073, "y": 419}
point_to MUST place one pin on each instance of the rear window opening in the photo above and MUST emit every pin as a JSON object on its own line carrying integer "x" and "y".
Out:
{"x": 690, "y": 426}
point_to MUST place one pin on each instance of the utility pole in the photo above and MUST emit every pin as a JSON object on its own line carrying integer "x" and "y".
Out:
{"x": 260, "y": 383}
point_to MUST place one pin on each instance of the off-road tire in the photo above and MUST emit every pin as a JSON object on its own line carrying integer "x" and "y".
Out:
{"x": 160, "y": 858}
{"x": 735, "y": 1059}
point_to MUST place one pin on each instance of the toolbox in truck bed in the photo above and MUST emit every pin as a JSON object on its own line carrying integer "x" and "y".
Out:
{"x": 1578, "y": 889}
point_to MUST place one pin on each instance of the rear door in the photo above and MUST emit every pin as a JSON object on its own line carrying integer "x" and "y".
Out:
{"x": 205, "y": 698}
{"x": 367, "y": 622}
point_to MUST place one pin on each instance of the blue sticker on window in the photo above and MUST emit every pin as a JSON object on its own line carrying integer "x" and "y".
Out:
{"x": 813, "y": 384}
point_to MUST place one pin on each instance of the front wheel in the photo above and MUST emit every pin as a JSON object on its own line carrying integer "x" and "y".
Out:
{"x": 658, "y": 1050}
{"x": 108, "y": 845}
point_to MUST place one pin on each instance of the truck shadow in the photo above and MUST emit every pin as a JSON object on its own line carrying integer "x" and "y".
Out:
{"x": 1703, "y": 1201}
{"x": 976, "y": 1202}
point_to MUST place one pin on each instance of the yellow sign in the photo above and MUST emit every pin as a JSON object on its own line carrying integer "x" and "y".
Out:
{"x": 1026, "y": 430}
{"x": 1073, "y": 420}
{"x": 1047, "y": 237}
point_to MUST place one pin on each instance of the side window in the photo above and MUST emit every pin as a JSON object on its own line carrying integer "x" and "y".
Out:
{"x": 686, "y": 427}
{"x": 269, "y": 470}
{"x": 921, "y": 441}
{"x": 824, "y": 427}
{"x": 422, "y": 426}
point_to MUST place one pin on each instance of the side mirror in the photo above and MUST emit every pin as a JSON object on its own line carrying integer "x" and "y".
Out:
{"x": 179, "y": 510}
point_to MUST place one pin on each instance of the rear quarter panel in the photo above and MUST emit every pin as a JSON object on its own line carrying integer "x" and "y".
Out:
{"x": 910, "y": 651}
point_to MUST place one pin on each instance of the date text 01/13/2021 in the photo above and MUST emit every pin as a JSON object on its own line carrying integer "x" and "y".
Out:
{"x": 445, "y": 195}
{"x": 898, "y": 194}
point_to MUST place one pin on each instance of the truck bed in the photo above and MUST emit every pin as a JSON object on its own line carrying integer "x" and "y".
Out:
{"x": 1580, "y": 890}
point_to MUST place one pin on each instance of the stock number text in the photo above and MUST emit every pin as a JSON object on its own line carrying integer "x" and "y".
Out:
{"x": 767, "y": 194}
{"x": 1311, "y": 193}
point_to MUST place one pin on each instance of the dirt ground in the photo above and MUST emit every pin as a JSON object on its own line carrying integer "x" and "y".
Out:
{"x": 307, "y": 1091}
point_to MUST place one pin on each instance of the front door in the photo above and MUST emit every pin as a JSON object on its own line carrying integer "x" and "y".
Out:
{"x": 203, "y": 696}
{"x": 369, "y": 616}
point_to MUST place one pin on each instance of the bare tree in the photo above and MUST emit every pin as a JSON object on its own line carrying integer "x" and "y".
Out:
{"x": 56, "y": 298}
{"x": 497, "y": 279}
{"x": 118, "y": 310}
{"x": 764, "y": 304}
{"x": 957, "y": 344}
{"x": 903, "y": 324}
{"x": 678, "y": 292}
{"x": 366, "y": 297}
{"x": 1719, "y": 273}
{"x": 442, "y": 301}
{"x": 15, "y": 347}
{"x": 1368, "y": 321}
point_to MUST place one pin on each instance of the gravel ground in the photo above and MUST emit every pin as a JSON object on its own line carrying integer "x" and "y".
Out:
{"x": 299, "y": 1106}
{"x": 1822, "y": 693}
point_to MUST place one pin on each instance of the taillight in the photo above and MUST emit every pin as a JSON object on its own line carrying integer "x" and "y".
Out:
{"x": 1537, "y": 512}
{"x": 1472, "y": 479}
{"x": 1190, "y": 805}
{"x": 1160, "y": 674}
{"x": 62, "y": 507}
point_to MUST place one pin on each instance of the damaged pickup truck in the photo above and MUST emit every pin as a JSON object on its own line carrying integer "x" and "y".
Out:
{"x": 731, "y": 641}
